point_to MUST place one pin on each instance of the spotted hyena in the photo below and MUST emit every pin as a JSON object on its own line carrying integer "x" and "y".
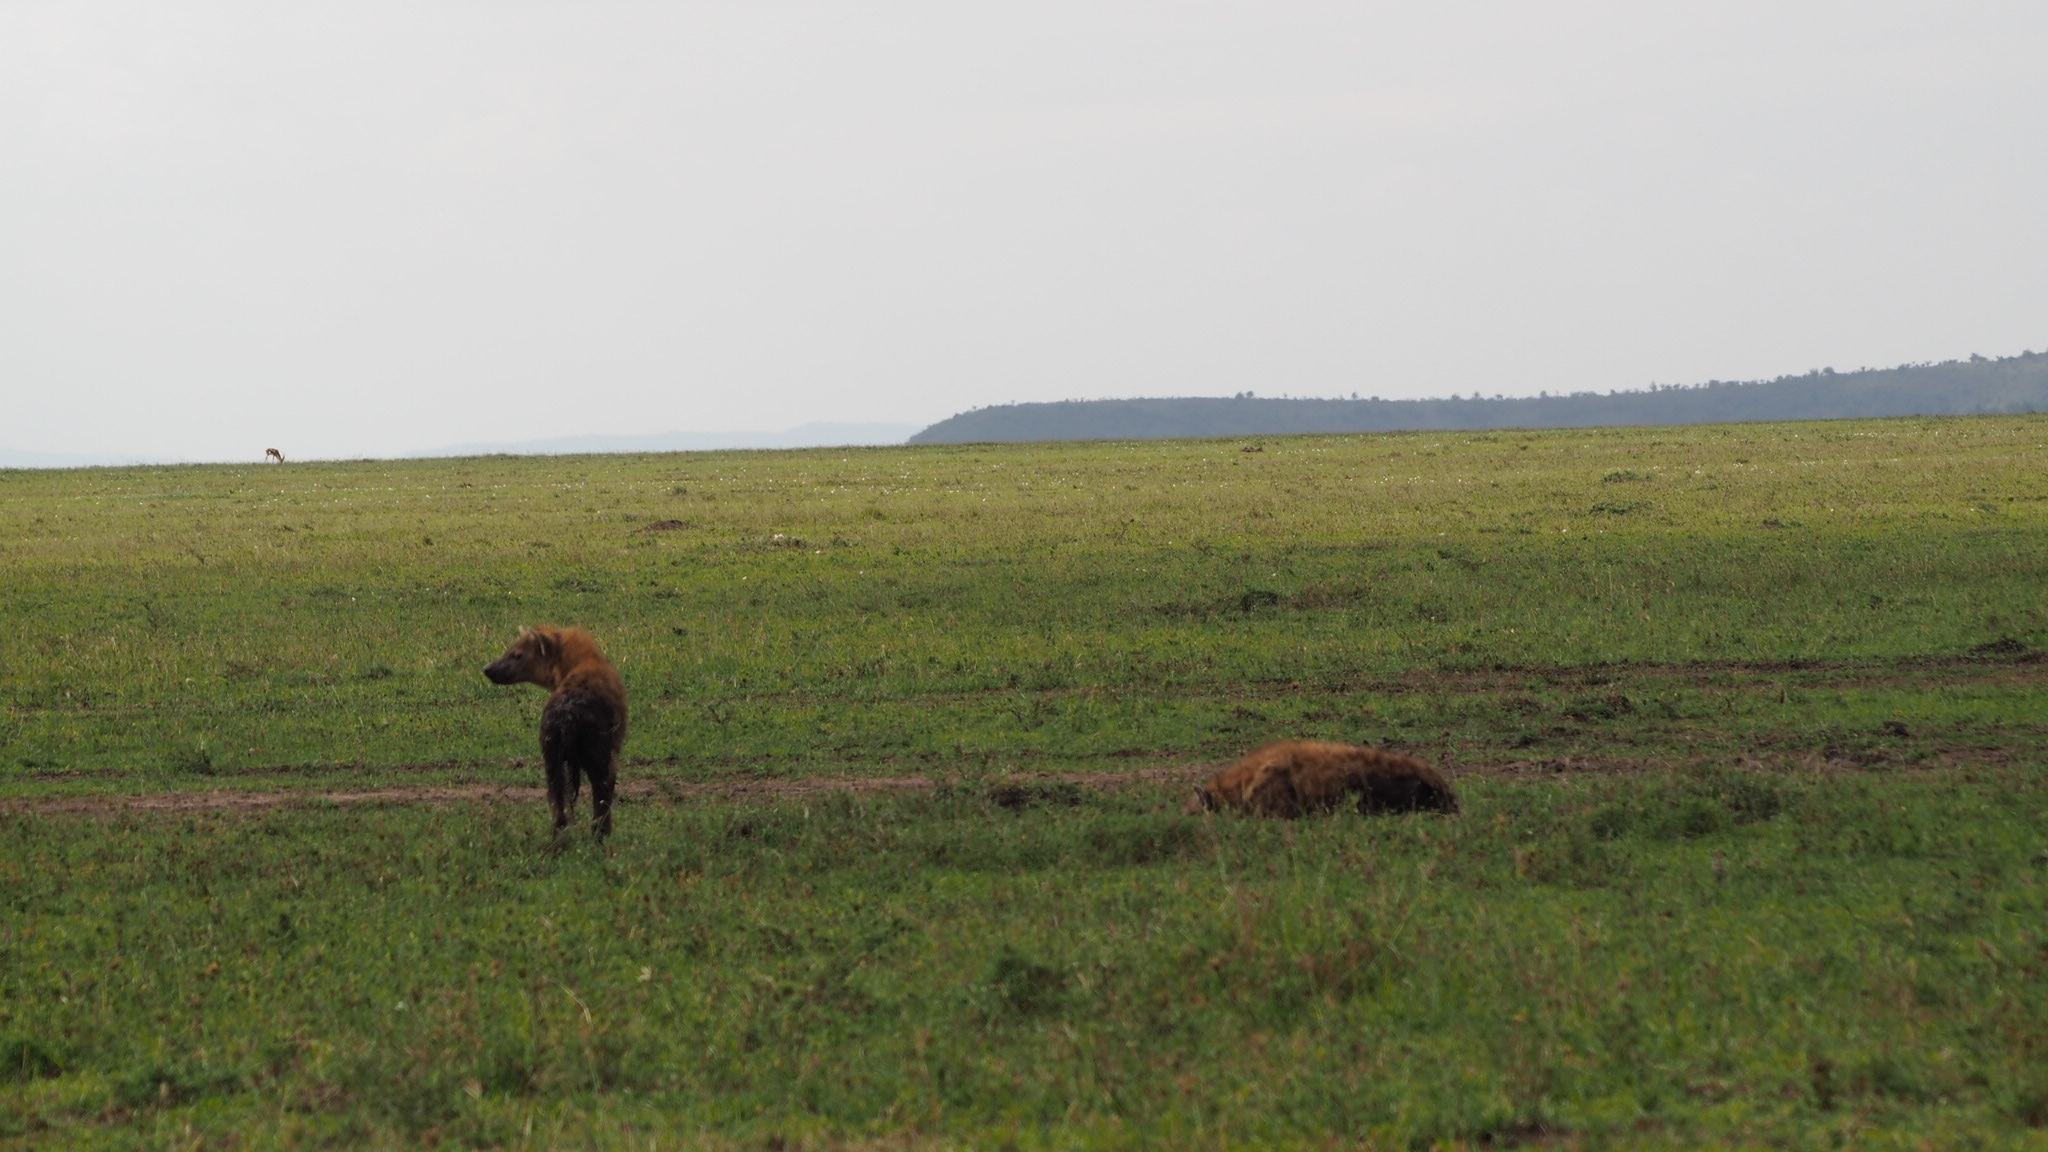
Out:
{"x": 1297, "y": 777}
{"x": 583, "y": 724}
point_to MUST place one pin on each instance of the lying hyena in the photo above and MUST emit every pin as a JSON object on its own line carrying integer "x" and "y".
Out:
{"x": 1296, "y": 777}
{"x": 583, "y": 725}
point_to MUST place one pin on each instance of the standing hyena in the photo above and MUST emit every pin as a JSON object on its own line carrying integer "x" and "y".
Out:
{"x": 1297, "y": 777}
{"x": 583, "y": 725}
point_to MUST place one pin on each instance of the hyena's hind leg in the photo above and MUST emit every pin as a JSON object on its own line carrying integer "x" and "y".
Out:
{"x": 562, "y": 789}
{"x": 603, "y": 787}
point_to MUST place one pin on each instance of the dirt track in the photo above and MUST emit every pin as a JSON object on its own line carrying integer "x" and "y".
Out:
{"x": 660, "y": 791}
{"x": 1998, "y": 663}
{"x": 656, "y": 791}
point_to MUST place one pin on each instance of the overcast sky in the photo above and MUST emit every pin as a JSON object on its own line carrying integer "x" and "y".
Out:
{"x": 365, "y": 228}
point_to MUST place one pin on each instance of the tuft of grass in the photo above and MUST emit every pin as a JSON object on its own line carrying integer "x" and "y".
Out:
{"x": 1017, "y": 987}
{"x": 27, "y": 1058}
{"x": 192, "y": 759}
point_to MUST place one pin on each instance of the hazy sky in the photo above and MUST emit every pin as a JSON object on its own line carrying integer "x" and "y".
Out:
{"x": 363, "y": 227}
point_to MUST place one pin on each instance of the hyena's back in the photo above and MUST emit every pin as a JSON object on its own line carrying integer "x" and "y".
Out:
{"x": 583, "y": 730}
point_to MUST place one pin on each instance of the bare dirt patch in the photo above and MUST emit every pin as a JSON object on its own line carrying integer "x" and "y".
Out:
{"x": 643, "y": 790}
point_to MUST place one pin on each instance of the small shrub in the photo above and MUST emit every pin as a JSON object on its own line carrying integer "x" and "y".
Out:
{"x": 2028, "y": 1102}
{"x": 1016, "y": 985}
{"x": 1118, "y": 841}
{"x": 1611, "y": 821}
{"x": 1591, "y": 708}
{"x": 1254, "y": 599}
{"x": 25, "y": 1058}
{"x": 1887, "y": 1075}
{"x": 1017, "y": 797}
{"x": 174, "y": 1083}
{"x": 1691, "y": 806}
{"x": 1697, "y": 816}
{"x": 193, "y": 760}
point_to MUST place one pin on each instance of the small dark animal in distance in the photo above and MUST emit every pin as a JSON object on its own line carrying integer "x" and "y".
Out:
{"x": 583, "y": 724}
{"x": 1299, "y": 777}
{"x": 273, "y": 454}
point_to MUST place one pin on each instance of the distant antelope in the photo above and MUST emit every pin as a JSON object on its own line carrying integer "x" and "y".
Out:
{"x": 273, "y": 454}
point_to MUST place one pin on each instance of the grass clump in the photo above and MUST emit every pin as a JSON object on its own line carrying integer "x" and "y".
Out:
{"x": 1687, "y": 805}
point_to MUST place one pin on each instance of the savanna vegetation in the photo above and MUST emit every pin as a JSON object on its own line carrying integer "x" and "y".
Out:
{"x": 1746, "y": 721}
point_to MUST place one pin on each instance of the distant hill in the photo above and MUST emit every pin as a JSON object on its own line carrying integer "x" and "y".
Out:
{"x": 1951, "y": 388}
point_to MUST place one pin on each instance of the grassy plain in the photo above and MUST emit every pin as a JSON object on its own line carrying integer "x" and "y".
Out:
{"x": 866, "y": 611}
{"x": 1748, "y": 723}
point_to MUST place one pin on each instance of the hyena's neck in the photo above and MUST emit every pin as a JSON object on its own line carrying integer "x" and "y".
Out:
{"x": 577, "y": 649}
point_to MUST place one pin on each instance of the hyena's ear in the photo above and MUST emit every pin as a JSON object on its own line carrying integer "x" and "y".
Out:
{"x": 541, "y": 642}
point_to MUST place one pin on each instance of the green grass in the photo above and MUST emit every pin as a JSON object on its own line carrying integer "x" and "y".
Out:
{"x": 878, "y": 610}
{"x": 1748, "y": 723}
{"x": 1712, "y": 956}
